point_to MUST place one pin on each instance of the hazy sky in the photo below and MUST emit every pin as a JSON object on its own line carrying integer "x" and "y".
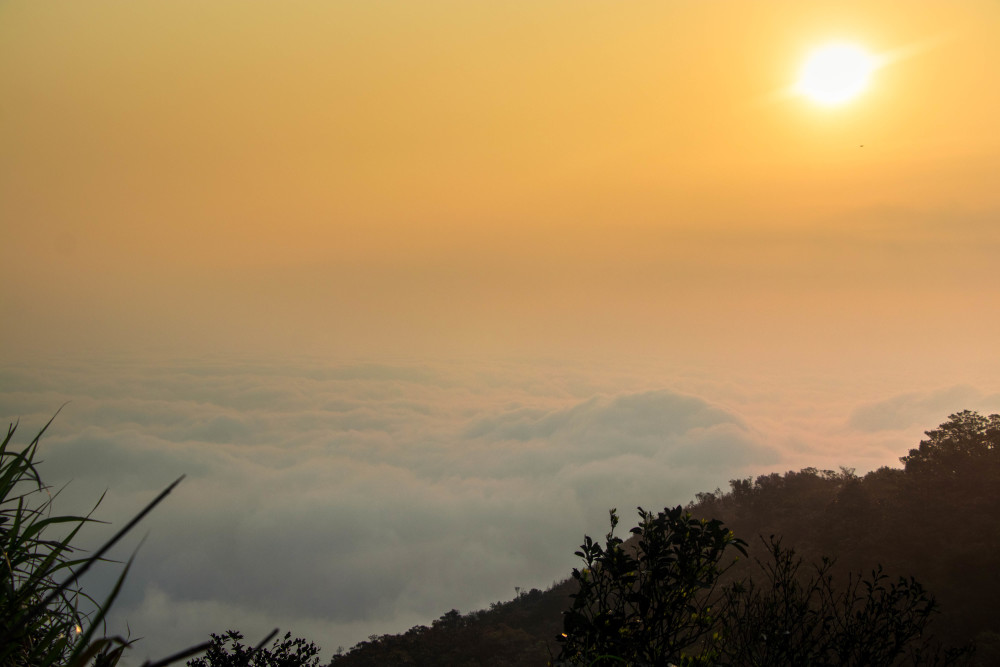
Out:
{"x": 429, "y": 177}
{"x": 518, "y": 261}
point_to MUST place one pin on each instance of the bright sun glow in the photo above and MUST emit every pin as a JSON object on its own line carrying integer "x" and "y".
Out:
{"x": 836, "y": 73}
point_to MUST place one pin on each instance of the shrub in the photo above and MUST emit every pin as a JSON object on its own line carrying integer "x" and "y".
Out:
{"x": 645, "y": 605}
{"x": 658, "y": 601}
{"x": 286, "y": 652}
{"x": 796, "y": 615}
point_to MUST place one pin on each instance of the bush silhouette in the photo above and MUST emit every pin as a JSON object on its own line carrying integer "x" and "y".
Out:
{"x": 660, "y": 599}
{"x": 228, "y": 651}
{"x": 646, "y": 604}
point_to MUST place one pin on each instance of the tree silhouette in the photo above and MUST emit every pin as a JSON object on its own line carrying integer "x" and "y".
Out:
{"x": 660, "y": 599}
{"x": 645, "y": 603}
{"x": 963, "y": 444}
{"x": 228, "y": 651}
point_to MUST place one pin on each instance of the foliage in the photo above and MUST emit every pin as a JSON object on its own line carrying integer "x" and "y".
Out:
{"x": 647, "y": 604}
{"x": 803, "y": 618}
{"x": 966, "y": 441}
{"x": 938, "y": 520}
{"x": 655, "y": 602}
{"x": 41, "y": 621}
{"x": 40, "y": 618}
{"x": 227, "y": 651}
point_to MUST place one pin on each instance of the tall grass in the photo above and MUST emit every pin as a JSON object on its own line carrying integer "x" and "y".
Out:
{"x": 41, "y": 620}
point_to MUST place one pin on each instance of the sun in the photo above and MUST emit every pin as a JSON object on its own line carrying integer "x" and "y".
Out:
{"x": 836, "y": 73}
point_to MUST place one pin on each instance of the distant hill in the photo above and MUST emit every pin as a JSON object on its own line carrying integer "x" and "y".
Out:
{"x": 521, "y": 631}
{"x": 937, "y": 519}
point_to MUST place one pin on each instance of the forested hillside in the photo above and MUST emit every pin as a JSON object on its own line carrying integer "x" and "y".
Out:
{"x": 937, "y": 520}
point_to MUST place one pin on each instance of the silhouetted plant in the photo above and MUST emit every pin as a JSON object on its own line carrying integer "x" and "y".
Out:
{"x": 647, "y": 604}
{"x": 796, "y": 617}
{"x": 41, "y": 622}
{"x": 228, "y": 651}
{"x": 657, "y": 601}
{"x": 40, "y": 618}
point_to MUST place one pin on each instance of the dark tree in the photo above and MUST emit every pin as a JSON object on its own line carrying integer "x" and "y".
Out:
{"x": 964, "y": 443}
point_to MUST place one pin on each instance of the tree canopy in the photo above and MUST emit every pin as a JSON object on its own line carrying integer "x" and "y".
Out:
{"x": 965, "y": 442}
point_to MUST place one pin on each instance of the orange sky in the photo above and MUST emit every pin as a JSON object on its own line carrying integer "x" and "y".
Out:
{"x": 601, "y": 178}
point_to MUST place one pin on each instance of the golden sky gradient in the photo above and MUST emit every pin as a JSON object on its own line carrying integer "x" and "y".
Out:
{"x": 386, "y": 177}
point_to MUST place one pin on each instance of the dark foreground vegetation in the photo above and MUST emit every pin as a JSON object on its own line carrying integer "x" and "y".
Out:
{"x": 815, "y": 567}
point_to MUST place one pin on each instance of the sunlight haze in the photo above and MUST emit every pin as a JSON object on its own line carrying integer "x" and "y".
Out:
{"x": 836, "y": 73}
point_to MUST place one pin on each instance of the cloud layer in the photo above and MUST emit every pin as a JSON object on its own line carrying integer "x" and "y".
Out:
{"x": 341, "y": 500}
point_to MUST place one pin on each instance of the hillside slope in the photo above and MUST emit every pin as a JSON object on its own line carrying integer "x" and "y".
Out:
{"x": 938, "y": 520}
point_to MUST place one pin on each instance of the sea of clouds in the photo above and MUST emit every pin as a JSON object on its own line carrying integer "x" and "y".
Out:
{"x": 339, "y": 500}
